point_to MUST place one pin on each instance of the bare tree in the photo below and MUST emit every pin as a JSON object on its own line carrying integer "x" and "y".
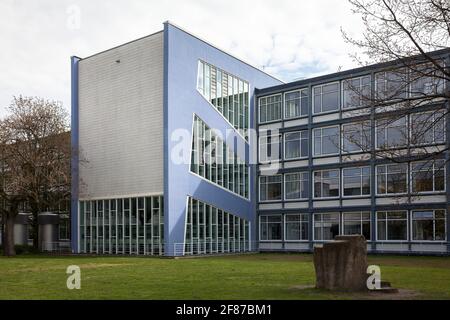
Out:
{"x": 36, "y": 153}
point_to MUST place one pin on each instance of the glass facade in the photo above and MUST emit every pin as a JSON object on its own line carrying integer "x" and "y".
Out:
{"x": 213, "y": 160}
{"x": 122, "y": 226}
{"x": 211, "y": 230}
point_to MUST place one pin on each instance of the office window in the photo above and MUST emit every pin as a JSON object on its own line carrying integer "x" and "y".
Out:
{"x": 326, "y": 98}
{"x": 326, "y": 140}
{"x": 356, "y": 137}
{"x": 428, "y": 128}
{"x": 270, "y": 108}
{"x": 356, "y": 223}
{"x": 269, "y": 148}
{"x": 270, "y": 188}
{"x": 391, "y": 84}
{"x": 428, "y": 176}
{"x": 392, "y": 225}
{"x": 296, "y": 144}
{"x": 392, "y": 178}
{"x": 428, "y": 225}
{"x": 426, "y": 80}
{"x": 391, "y": 132}
{"x": 270, "y": 227}
{"x": 326, "y": 183}
{"x": 296, "y": 104}
{"x": 356, "y": 181}
{"x": 326, "y": 226}
{"x": 356, "y": 92}
{"x": 296, "y": 185}
{"x": 296, "y": 227}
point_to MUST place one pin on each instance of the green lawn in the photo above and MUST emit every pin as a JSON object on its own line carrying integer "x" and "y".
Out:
{"x": 255, "y": 276}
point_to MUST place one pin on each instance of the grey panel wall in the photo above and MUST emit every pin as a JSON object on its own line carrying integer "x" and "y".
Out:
{"x": 121, "y": 120}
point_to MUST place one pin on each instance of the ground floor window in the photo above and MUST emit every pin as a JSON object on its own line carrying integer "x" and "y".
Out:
{"x": 296, "y": 227}
{"x": 392, "y": 225}
{"x": 212, "y": 230}
{"x": 326, "y": 226}
{"x": 428, "y": 225}
{"x": 122, "y": 226}
{"x": 270, "y": 227}
{"x": 356, "y": 223}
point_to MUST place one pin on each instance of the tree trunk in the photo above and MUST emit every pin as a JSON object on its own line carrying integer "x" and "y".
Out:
{"x": 8, "y": 245}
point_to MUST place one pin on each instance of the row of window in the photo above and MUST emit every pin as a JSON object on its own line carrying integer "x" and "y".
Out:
{"x": 426, "y": 128}
{"x": 212, "y": 230}
{"x": 227, "y": 93}
{"x": 214, "y": 161}
{"x": 391, "y": 179}
{"x": 351, "y": 93}
{"x": 122, "y": 226}
{"x": 419, "y": 225}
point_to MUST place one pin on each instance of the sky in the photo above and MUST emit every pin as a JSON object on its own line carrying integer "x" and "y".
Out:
{"x": 290, "y": 39}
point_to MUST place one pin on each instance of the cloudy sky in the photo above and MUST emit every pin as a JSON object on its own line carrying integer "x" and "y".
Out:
{"x": 290, "y": 39}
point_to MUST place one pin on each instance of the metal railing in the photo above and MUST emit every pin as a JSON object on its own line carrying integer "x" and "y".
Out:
{"x": 214, "y": 247}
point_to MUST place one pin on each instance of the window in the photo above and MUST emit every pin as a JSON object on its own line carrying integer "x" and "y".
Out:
{"x": 392, "y": 226}
{"x": 270, "y": 188}
{"x": 392, "y": 178}
{"x": 356, "y": 92}
{"x": 296, "y": 145}
{"x": 64, "y": 227}
{"x": 428, "y": 128}
{"x": 326, "y": 226}
{"x": 428, "y": 225}
{"x": 356, "y": 181}
{"x": 391, "y": 84}
{"x": 326, "y": 140}
{"x": 356, "y": 137}
{"x": 426, "y": 80}
{"x": 357, "y": 223}
{"x": 296, "y": 227}
{"x": 270, "y": 108}
{"x": 326, "y": 184}
{"x": 269, "y": 148}
{"x": 428, "y": 176}
{"x": 392, "y": 133}
{"x": 326, "y": 97}
{"x": 296, "y": 104}
{"x": 270, "y": 227}
{"x": 296, "y": 185}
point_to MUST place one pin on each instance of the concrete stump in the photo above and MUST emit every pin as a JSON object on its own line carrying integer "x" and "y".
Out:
{"x": 342, "y": 264}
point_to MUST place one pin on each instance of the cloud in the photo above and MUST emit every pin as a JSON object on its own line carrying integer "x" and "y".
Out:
{"x": 290, "y": 39}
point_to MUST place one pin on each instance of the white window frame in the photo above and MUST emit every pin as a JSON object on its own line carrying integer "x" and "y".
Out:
{"x": 361, "y": 220}
{"x": 385, "y": 83}
{"x": 259, "y": 227}
{"x": 321, "y": 142}
{"x": 411, "y": 187}
{"x": 314, "y": 184}
{"x": 314, "y": 229}
{"x": 434, "y": 226}
{"x": 285, "y": 223}
{"x": 259, "y": 108}
{"x": 313, "y": 97}
{"x": 434, "y": 129}
{"x": 386, "y": 128}
{"x": 360, "y": 87}
{"x": 259, "y": 188}
{"x": 391, "y": 194}
{"x": 342, "y": 134}
{"x": 392, "y": 241}
{"x": 280, "y": 142}
{"x": 361, "y": 178}
{"x": 301, "y": 180}
{"x": 300, "y": 147}
{"x": 285, "y": 105}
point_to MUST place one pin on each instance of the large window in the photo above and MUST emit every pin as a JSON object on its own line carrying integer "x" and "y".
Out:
{"x": 392, "y": 178}
{"x": 326, "y": 98}
{"x": 428, "y": 176}
{"x": 296, "y": 185}
{"x": 270, "y": 227}
{"x": 270, "y": 188}
{"x": 296, "y": 104}
{"x": 296, "y": 227}
{"x": 356, "y": 181}
{"x": 326, "y": 226}
{"x": 356, "y": 92}
{"x": 391, "y": 84}
{"x": 428, "y": 128}
{"x": 392, "y": 132}
{"x": 213, "y": 160}
{"x": 356, "y": 137}
{"x": 356, "y": 223}
{"x": 212, "y": 230}
{"x": 227, "y": 93}
{"x": 428, "y": 225}
{"x": 326, "y": 184}
{"x": 426, "y": 80}
{"x": 326, "y": 141}
{"x": 392, "y": 226}
{"x": 296, "y": 145}
{"x": 270, "y": 108}
{"x": 269, "y": 148}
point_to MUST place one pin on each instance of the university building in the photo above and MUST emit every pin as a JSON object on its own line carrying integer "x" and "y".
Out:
{"x": 182, "y": 149}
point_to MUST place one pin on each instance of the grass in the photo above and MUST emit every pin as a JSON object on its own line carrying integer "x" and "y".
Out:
{"x": 255, "y": 276}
